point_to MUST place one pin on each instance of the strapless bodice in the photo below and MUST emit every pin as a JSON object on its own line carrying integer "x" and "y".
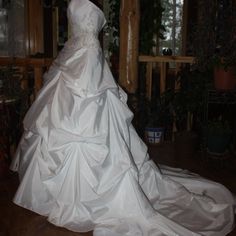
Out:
{"x": 86, "y": 20}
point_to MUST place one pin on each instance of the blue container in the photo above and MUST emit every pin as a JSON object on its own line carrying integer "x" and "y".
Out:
{"x": 154, "y": 135}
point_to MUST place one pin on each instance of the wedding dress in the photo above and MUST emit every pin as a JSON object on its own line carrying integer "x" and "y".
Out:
{"x": 82, "y": 165}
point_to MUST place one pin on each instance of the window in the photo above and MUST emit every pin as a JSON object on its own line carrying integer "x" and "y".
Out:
{"x": 3, "y": 32}
{"x": 12, "y": 36}
{"x": 172, "y": 21}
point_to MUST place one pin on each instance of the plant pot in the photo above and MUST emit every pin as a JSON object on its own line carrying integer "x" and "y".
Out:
{"x": 224, "y": 79}
{"x": 186, "y": 143}
{"x": 154, "y": 135}
{"x": 218, "y": 143}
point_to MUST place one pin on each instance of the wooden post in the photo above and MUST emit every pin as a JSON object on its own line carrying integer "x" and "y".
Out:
{"x": 129, "y": 41}
{"x": 35, "y": 26}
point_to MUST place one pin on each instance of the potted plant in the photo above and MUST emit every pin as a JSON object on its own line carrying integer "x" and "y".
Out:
{"x": 187, "y": 105}
{"x": 158, "y": 118}
{"x": 225, "y": 53}
{"x": 214, "y": 42}
{"x": 225, "y": 68}
{"x": 12, "y": 110}
{"x": 219, "y": 135}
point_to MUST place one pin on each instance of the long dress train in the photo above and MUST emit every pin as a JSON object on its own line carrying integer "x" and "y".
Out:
{"x": 82, "y": 165}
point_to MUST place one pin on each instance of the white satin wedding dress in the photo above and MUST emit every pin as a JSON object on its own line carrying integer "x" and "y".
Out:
{"x": 82, "y": 165}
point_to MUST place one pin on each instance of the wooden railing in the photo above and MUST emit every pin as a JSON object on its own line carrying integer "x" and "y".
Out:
{"x": 25, "y": 65}
{"x": 162, "y": 63}
{"x": 39, "y": 65}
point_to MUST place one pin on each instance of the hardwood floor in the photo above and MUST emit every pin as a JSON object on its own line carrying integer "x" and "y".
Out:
{"x": 16, "y": 221}
{"x": 208, "y": 166}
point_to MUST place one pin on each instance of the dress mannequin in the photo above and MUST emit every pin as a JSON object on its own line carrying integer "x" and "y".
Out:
{"x": 82, "y": 165}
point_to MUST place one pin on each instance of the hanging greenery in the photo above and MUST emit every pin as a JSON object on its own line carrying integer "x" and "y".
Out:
{"x": 214, "y": 35}
{"x": 151, "y": 27}
{"x": 114, "y": 26}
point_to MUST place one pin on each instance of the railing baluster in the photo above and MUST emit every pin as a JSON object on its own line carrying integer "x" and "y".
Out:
{"x": 177, "y": 69}
{"x": 149, "y": 81}
{"x": 162, "y": 61}
{"x": 24, "y": 77}
{"x": 38, "y": 80}
{"x": 24, "y": 65}
{"x": 163, "y": 77}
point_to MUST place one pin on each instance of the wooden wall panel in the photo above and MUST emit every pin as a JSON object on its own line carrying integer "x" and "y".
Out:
{"x": 35, "y": 26}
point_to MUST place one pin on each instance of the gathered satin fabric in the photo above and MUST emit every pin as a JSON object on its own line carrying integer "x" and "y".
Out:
{"x": 82, "y": 165}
